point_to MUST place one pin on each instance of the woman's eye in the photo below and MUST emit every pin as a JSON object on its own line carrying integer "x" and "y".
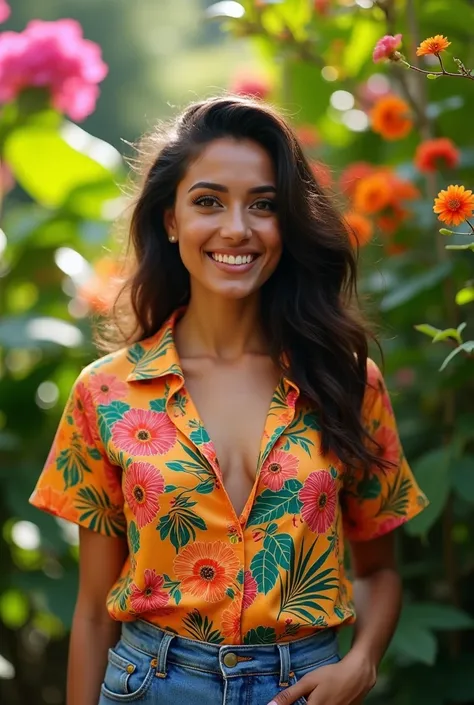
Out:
{"x": 206, "y": 201}
{"x": 265, "y": 205}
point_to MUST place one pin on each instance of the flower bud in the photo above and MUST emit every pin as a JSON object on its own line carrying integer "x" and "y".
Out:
{"x": 433, "y": 76}
{"x": 445, "y": 231}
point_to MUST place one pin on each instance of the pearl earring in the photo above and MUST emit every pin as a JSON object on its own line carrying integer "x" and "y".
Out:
{"x": 172, "y": 238}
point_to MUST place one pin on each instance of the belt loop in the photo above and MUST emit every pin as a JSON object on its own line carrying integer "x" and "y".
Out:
{"x": 162, "y": 654}
{"x": 284, "y": 650}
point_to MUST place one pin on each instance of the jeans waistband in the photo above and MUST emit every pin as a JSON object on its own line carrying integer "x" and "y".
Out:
{"x": 230, "y": 660}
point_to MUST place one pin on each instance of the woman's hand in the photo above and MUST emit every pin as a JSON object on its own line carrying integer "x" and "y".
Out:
{"x": 343, "y": 683}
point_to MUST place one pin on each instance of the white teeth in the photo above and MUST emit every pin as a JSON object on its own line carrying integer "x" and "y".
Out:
{"x": 230, "y": 259}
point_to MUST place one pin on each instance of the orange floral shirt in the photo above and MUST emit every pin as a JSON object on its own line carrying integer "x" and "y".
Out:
{"x": 132, "y": 458}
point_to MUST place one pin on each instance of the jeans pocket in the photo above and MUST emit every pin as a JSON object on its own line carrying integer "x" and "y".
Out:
{"x": 298, "y": 673}
{"x": 128, "y": 675}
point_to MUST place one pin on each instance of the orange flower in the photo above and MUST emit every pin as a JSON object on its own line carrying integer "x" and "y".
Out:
{"x": 307, "y": 135}
{"x": 351, "y": 176}
{"x": 101, "y": 290}
{"x": 434, "y": 154}
{"x": 322, "y": 174}
{"x": 48, "y": 497}
{"x": 206, "y": 570}
{"x": 231, "y": 621}
{"x": 391, "y": 117}
{"x": 433, "y": 45}
{"x": 455, "y": 205}
{"x": 359, "y": 227}
{"x": 372, "y": 194}
{"x": 403, "y": 190}
{"x": 392, "y": 219}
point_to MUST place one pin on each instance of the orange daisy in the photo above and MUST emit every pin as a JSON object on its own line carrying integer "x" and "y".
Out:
{"x": 206, "y": 569}
{"x": 432, "y": 155}
{"x": 390, "y": 117}
{"x": 454, "y": 205}
{"x": 433, "y": 45}
{"x": 372, "y": 194}
{"x": 359, "y": 227}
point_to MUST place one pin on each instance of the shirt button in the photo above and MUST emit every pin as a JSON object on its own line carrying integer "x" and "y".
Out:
{"x": 230, "y": 660}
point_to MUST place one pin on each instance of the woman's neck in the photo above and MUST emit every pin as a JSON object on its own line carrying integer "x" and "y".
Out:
{"x": 221, "y": 328}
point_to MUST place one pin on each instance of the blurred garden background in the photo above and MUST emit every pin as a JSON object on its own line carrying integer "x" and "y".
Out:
{"x": 383, "y": 137}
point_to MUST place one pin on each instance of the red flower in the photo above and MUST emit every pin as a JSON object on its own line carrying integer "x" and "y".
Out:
{"x": 142, "y": 487}
{"x": 279, "y": 467}
{"x": 250, "y": 86}
{"x": 319, "y": 501}
{"x": 386, "y": 48}
{"x": 151, "y": 597}
{"x": 354, "y": 173}
{"x": 4, "y": 11}
{"x": 231, "y": 621}
{"x": 250, "y": 589}
{"x": 106, "y": 388}
{"x": 436, "y": 154}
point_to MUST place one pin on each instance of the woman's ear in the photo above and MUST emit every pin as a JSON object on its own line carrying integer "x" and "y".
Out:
{"x": 170, "y": 225}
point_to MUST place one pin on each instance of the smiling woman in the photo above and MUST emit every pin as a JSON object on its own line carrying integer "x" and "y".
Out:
{"x": 219, "y": 456}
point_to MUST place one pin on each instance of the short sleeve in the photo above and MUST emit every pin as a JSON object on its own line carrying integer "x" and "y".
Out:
{"x": 377, "y": 501}
{"x": 78, "y": 481}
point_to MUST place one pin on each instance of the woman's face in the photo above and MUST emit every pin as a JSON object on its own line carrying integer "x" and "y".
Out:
{"x": 225, "y": 221}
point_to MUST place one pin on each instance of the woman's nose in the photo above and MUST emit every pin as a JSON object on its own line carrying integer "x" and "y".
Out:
{"x": 235, "y": 226}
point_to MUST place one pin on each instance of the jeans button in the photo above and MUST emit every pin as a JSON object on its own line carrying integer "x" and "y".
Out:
{"x": 230, "y": 659}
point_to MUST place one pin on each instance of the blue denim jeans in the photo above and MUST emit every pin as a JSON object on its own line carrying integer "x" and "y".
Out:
{"x": 149, "y": 666}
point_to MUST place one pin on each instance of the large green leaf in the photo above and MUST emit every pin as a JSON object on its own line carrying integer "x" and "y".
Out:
{"x": 431, "y": 615}
{"x": 280, "y": 546}
{"x": 264, "y": 569}
{"x": 49, "y": 168}
{"x": 432, "y": 474}
{"x": 410, "y": 288}
{"x": 415, "y": 642}
{"x": 463, "y": 477}
{"x": 273, "y": 505}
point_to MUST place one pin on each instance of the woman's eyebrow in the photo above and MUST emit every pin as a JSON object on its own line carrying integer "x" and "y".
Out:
{"x": 265, "y": 188}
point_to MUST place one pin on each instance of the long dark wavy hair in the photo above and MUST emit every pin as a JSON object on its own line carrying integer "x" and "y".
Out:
{"x": 308, "y": 306}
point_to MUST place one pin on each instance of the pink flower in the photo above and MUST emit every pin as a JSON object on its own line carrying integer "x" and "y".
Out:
{"x": 388, "y": 439}
{"x": 386, "y": 47}
{"x": 142, "y": 432}
{"x": 151, "y": 597}
{"x": 279, "y": 467}
{"x": 319, "y": 501}
{"x": 250, "y": 589}
{"x": 52, "y": 55}
{"x": 83, "y": 413}
{"x": 4, "y": 11}
{"x": 142, "y": 488}
{"x": 253, "y": 86}
{"x": 106, "y": 388}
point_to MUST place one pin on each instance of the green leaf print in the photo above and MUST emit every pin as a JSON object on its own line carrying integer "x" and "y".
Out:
{"x": 107, "y": 416}
{"x": 206, "y": 487}
{"x": 202, "y": 629}
{"x": 143, "y": 359}
{"x": 98, "y": 512}
{"x": 135, "y": 354}
{"x": 173, "y": 588}
{"x": 272, "y": 505}
{"x": 158, "y": 405}
{"x": 264, "y": 569}
{"x": 94, "y": 453}
{"x": 72, "y": 463}
{"x": 311, "y": 420}
{"x": 179, "y": 525}
{"x": 117, "y": 598}
{"x": 305, "y": 584}
{"x": 199, "y": 436}
{"x": 397, "y": 499}
{"x": 240, "y": 576}
{"x": 280, "y": 546}
{"x": 134, "y": 537}
{"x": 369, "y": 487}
{"x": 260, "y": 635}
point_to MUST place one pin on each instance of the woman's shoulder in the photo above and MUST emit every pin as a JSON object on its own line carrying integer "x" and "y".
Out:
{"x": 116, "y": 365}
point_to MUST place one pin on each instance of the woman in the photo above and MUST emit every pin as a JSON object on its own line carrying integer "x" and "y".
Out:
{"x": 215, "y": 465}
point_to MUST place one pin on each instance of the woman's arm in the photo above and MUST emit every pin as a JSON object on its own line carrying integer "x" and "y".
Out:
{"x": 377, "y": 597}
{"x": 93, "y": 632}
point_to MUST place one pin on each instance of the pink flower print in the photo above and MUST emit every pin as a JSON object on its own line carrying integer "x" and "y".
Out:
{"x": 83, "y": 413}
{"x": 389, "y": 525}
{"x": 319, "y": 501}
{"x": 388, "y": 439}
{"x": 151, "y": 597}
{"x": 387, "y": 47}
{"x": 106, "y": 388}
{"x": 279, "y": 467}
{"x": 291, "y": 398}
{"x": 142, "y": 432}
{"x": 142, "y": 488}
{"x": 250, "y": 589}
